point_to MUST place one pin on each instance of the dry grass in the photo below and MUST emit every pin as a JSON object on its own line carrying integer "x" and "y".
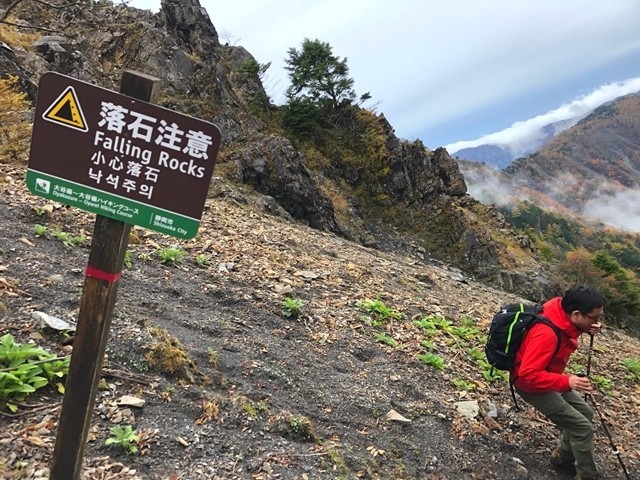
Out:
{"x": 210, "y": 411}
{"x": 15, "y": 38}
{"x": 15, "y": 130}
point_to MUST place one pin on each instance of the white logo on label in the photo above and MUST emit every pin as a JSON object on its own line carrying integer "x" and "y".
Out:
{"x": 43, "y": 185}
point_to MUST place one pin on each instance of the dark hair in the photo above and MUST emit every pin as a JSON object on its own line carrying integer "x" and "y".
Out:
{"x": 582, "y": 298}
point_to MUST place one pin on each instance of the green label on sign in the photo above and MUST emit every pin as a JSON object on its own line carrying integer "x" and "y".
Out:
{"x": 110, "y": 205}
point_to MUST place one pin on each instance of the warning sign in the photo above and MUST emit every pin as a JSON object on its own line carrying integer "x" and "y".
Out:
{"x": 120, "y": 157}
{"x": 66, "y": 111}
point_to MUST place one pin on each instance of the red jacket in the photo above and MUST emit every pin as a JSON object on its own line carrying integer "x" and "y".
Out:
{"x": 538, "y": 369}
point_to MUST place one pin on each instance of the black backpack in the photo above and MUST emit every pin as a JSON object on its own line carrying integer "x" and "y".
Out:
{"x": 506, "y": 332}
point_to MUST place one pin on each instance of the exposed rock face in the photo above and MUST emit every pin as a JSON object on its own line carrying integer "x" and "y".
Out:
{"x": 190, "y": 22}
{"x": 275, "y": 168}
{"x": 417, "y": 176}
{"x": 10, "y": 65}
{"x": 446, "y": 169}
{"x": 408, "y": 173}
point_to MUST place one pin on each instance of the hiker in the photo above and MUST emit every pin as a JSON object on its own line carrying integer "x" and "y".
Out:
{"x": 540, "y": 380}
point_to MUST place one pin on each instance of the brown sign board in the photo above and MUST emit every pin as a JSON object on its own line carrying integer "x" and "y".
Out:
{"x": 120, "y": 157}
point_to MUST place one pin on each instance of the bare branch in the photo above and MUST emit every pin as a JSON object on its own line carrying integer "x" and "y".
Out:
{"x": 50, "y": 5}
{"x": 9, "y": 8}
{"x": 15, "y": 3}
{"x": 43, "y": 29}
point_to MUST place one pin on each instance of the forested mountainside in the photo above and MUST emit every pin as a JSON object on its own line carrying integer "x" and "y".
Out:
{"x": 501, "y": 155}
{"x": 598, "y": 156}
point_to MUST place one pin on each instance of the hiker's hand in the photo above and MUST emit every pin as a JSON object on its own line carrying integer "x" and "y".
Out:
{"x": 595, "y": 328}
{"x": 581, "y": 384}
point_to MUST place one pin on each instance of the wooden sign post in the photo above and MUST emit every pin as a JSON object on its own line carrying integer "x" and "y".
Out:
{"x": 106, "y": 259}
{"x": 132, "y": 163}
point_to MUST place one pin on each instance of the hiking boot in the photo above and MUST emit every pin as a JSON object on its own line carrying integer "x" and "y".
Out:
{"x": 562, "y": 462}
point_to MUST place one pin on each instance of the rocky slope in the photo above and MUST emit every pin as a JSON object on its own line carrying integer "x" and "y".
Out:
{"x": 247, "y": 392}
{"x": 233, "y": 388}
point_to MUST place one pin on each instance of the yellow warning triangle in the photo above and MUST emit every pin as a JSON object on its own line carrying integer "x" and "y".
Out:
{"x": 66, "y": 110}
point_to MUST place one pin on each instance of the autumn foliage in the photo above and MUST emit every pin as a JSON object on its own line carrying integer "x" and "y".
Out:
{"x": 15, "y": 129}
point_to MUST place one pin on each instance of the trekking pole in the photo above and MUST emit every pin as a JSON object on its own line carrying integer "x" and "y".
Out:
{"x": 590, "y": 354}
{"x": 597, "y": 410}
{"x": 604, "y": 425}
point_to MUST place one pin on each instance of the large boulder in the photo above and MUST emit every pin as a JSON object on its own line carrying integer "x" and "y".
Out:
{"x": 273, "y": 167}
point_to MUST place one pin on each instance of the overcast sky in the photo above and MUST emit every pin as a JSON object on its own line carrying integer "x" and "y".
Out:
{"x": 454, "y": 70}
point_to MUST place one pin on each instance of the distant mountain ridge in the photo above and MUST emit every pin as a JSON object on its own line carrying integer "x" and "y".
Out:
{"x": 501, "y": 155}
{"x": 586, "y": 168}
{"x": 600, "y": 155}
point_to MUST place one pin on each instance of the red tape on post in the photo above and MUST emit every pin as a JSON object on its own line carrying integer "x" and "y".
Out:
{"x": 102, "y": 275}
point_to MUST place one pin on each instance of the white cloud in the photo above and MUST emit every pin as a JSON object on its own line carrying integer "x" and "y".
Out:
{"x": 621, "y": 210}
{"x": 524, "y": 133}
{"x": 486, "y": 186}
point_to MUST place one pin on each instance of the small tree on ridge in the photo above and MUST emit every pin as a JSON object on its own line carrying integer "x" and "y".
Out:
{"x": 318, "y": 75}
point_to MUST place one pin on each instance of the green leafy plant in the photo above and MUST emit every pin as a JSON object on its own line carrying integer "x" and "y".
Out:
{"x": 125, "y": 437}
{"x": 432, "y": 360}
{"x": 140, "y": 365}
{"x": 301, "y": 426}
{"x": 252, "y": 409}
{"x": 128, "y": 258}
{"x": 633, "y": 366}
{"x": 64, "y": 237}
{"x": 461, "y": 384}
{"x": 465, "y": 333}
{"x": 203, "y": 260}
{"x": 433, "y": 323}
{"x": 427, "y": 324}
{"x": 26, "y": 368}
{"x": 378, "y": 311}
{"x": 491, "y": 374}
{"x": 170, "y": 255}
{"x": 146, "y": 257}
{"x": 386, "y": 339}
{"x": 476, "y": 354}
{"x": 292, "y": 307}
{"x": 39, "y": 211}
{"x": 602, "y": 383}
{"x": 575, "y": 368}
{"x": 79, "y": 240}
{"x": 429, "y": 345}
{"x": 467, "y": 321}
{"x": 40, "y": 230}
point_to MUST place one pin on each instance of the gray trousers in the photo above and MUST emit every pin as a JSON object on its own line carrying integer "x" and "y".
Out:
{"x": 570, "y": 412}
